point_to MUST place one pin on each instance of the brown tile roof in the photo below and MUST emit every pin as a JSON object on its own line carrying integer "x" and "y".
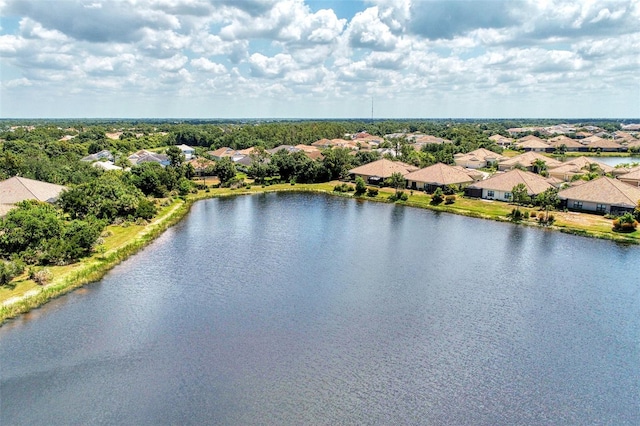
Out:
{"x": 17, "y": 189}
{"x": 480, "y": 154}
{"x": 564, "y": 140}
{"x": 225, "y": 151}
{"x": 506, "y": 181}
{"x": 383, "y": 168}
{"x": 604, "y": 190}
{"x": 598, "y": 142}
{"x": 439, "y": 174}
{"x": 579, "y": 165}
{"x": 528, "y": 158}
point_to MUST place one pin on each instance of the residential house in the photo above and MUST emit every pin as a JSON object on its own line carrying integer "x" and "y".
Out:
{"x": 437, "y": 176}
{"x": 144, "y": 156}
{"x": 532, "y": 143}
{"x": 603, "y": 195}
{"x": 500, "y": 185}
{"x": 188, "y": 151}
{"x": 577, "y": 166}
{"x": 377, "y": 171}
{"x": 632, "y": 177}
{"x": 221, "y": 153}
{"x": 501, "y": 140}
{"x": 478, "y": 158}
{"x": 105, "y": 154}
{"x": 527, "y": 161}
{"x": 16, "y": 189}
{"x": 571, "y": 145}
{"x": 596, "y": 143}
{"x": 106, "y": 165}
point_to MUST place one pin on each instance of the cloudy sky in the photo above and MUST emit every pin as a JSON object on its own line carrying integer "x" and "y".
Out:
{"x": 319, "y": 58}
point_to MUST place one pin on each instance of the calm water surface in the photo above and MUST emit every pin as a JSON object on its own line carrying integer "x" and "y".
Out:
{"x": 614, "y": 161}
{"x": 307, "y": 309}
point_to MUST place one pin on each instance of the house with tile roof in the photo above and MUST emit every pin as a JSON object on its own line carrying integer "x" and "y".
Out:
{"x": 571, "y": 145}
{"x": 377, "y": 171}
{"x": 500, "y": 185}
{"x": 437, "y": 176}
{"x": 578, "y": 166}
{"x": 478, "y": 158}
{"x": 532, "y": 143}
{"x": 632, "y": 177}
{"x": 603, "y": 195}
{"x": 16, "y": 189}
{"x": 527, "y": 161}
{"x": 596, "y": 143}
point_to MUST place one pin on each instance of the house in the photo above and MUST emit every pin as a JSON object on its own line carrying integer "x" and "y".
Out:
{"x": 437, "y": 175}
{"x": 603, "y": 195}
{"x": 105, "y": 154}
{"x": 429, "y": 140}
{"x": 188, "y": 151}
{"x": 632, "y": 177}
{"x": 596, "y": 143}
{"x": 106, "y": 165}
{"x": 221, "y": 153}
{"x": 377, "y": 171}
{"x": 527, "y": 161}
{"x": 144, "y": 156}
{"x": 500, "y": 185}
{"x": 532, "y": 143}
{"x": 501, "y": 140}
{"x": 16, "y": 189}
{"x": 570, "y": 145}
{"x": 200, "y": 165}
{"x": 578, "y": 166}
{"x": 478, "y": 158}
{"x": 310, "y": 151}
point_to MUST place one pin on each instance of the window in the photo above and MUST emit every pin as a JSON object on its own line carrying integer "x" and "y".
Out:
{"x": 601, "y": 208}
{"x": 577, "y": 204}
{"x": 507, "y": 195}
{"x": 490, "y": 194}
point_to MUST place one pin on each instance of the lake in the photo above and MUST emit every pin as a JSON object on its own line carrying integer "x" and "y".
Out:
{"x": 312, "y": 309}
{"x": 614, "y": 161}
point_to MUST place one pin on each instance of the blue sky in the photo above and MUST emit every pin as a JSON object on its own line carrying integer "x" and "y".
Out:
{"x": 319, "y": 59}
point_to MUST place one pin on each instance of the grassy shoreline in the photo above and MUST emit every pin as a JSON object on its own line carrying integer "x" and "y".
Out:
{"x": 125, "y": 242}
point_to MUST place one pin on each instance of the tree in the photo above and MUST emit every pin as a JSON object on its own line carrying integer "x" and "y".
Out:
{"x": 175, "y": 155}
{"x": 548, "y": 200}
{"x": 539, "y": 166}
{"x": 361, "y": 187}
{"x": 519, "y": 194}
{"x": 337, "y": 161}
{"x": 225, "y": 169}
{"x": 396, "y": 181}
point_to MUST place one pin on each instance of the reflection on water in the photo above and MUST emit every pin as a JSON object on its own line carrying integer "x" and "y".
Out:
{"x": 306, "y": 309}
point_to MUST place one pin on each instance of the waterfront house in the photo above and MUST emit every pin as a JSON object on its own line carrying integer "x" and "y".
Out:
{"x": 578, "y": 166}
{"x": 478, "y": 158}
{"x": 632, "y": 177}
{"x": 437, "y": 176}
{"x": 570, "y": 145}
{"x": 500, "y": 185}
{"x": 377, "y": 171}
{"x": 603, "y": 195}
{"x": 532, "y": 143}
{"x": 596, "y": 143}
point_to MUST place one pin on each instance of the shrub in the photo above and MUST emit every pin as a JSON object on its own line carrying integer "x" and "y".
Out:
{"x": 343, "y": 187}
{"x": 515, "y": 215}
{"x": 10, "y": 270}
{"x": 625, "y": 223}
{"x": 360, "y": 186}
{"x": 41, "y": 277}
{"x": 449, "y": 199}
{"x": 399, "y": 196}
{"x": 372, "y": 192}
{"x": 438, "y": 196}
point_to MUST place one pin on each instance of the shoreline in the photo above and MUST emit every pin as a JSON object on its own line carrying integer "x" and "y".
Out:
{"x": 92, "y": 269}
